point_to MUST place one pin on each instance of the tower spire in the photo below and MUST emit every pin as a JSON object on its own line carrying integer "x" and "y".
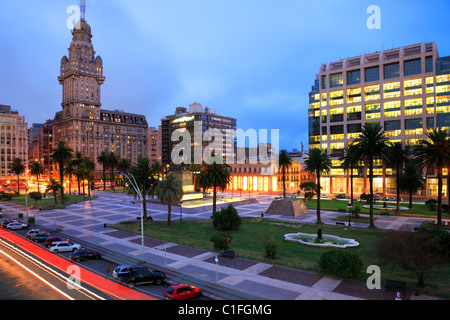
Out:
{"x": 83, "y": 10}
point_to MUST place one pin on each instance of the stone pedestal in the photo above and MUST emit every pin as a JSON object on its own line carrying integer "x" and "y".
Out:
{"x": 287, "y": 207}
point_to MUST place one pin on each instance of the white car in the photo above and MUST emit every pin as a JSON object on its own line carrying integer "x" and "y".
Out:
{"x": 16, "y": 226}
{"x": 64, "y": 246}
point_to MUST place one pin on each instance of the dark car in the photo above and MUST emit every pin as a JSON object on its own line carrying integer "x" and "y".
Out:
{"x": 341, "y": 196}
{"x": 84, "y": 254}
{"x": 41, "y": 236}
{"x": 142, "y": 275}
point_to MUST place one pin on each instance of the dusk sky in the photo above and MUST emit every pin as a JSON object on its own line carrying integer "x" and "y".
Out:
{"x": 252, "y": 60}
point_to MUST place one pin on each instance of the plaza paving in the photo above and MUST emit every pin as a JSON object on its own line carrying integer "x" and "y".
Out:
{"x": 86, "y": 220}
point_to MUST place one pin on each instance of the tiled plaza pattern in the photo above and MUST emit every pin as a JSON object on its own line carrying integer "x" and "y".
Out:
{"x": 86, "y": 220}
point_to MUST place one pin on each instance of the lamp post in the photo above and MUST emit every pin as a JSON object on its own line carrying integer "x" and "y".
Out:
{"x": 26, "y": 196}
{"x": 142, "y": 198}
{"x": 350, "y": 207}
{"x": 181, "y": 209}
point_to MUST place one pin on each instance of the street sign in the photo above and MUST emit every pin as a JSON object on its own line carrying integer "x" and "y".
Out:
{"x": 398, "y": 296}
{"x": 217, "y": 258}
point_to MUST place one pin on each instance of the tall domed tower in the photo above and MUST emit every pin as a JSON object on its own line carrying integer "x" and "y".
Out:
{"x": 82, "y": 123}
{"x": 81, "y": 76}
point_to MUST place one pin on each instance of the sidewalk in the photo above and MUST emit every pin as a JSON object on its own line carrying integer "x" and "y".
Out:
{"x": 255, "y": 279}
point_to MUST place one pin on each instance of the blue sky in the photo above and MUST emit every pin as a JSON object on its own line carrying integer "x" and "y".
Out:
{"x": 252, "y": 60}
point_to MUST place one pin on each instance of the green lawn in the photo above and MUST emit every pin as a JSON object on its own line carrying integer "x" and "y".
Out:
{"x": 49, "y": 204}
{"x": 247, "y": 244}
{"x": 419, "y": 210}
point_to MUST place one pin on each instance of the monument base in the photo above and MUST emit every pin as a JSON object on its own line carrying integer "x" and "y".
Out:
{"x": 287, "y": 207}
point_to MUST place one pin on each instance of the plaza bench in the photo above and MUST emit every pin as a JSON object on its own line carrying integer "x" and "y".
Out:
{"x": 228, "y": 253}
{"x": 395, "y": 285}
{"x": 340, "y": 223}
{"x": 384, "y": 213}
{"x": 342, "y": 210}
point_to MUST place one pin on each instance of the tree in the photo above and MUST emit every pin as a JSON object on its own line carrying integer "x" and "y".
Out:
{"x": 285, "y": 162}
{"x": 371, "y": 145}
{"x": 18, "y": 168}
{"x": 112, "y": 161}
{"x": 169, "y": 192}
{"x": 309, "y": 189}
{"x": 350, "y": 161}
{"x": 142, "y": 173}
{"x": 413, "y": 251}
{"x": 317, "y": 162}
{"x": 69, "y": 170}
{"x": 103, "y": 160}
{"x": 433, "y": 154}
{"x": 62, "y": 154}
{"x": 36, "y": 169}
{"x": 76, "y": 161}
{"x": 397, "y": 157}
{"x": 410, "y": 180}
{"x": 123, "y": 166}
{"x": 216, "y": 176}
{"x": 54, "y": 186}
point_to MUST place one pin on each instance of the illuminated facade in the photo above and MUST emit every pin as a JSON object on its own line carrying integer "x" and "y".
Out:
{"x": 185, "y": 120}
{"x": 13, "y": 142}
{"x": 82, "y": 123}
{"x": 405, "y": 90}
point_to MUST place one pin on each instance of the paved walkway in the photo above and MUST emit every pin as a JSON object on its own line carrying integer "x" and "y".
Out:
{"x": 86, "y": 220}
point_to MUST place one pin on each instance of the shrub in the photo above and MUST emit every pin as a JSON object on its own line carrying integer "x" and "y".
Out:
{"x": 356, "y": 211}
{"x": 445, "y": 207}
{"x": 226, "y": 219}
{"x": 270, "y": 245}
{"x": 221, "y": 240}
{"x": 340, "y": 263}
{"x": 31, "y": 220}
{"x": 432, "y": 204}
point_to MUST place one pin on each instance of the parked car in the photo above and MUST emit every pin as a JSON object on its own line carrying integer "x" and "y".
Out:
{"x": 341, "y": 196}
{"x": 84, "y": 254}
{"x": 143, "y": 275}
{"x": 40, "y": 236}
{"x": 31, "y": 233}
{"x": 14, "y": 225}
{"x": 122, "y": 271}
{"x": 182, "y": 291}
{"x": 50, "y": 240}
{"x": 64, "y": 246}
{"x": 394, "y": 199}
{"x": 323, "y": 195}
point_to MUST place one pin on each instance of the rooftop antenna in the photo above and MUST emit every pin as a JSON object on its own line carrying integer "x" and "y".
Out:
{"x": 83, "y": 10}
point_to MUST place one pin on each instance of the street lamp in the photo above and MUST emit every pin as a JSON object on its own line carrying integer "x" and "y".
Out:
{"x": 181, "y": 209}
{"x": 26, "y": 196}
{"x": 135, "y": 186}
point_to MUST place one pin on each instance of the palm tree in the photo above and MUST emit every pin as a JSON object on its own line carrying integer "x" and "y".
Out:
{"x": 350, "y": 161}
{"x": 61, "y": 155}
{"x": 214, "y": 176}
{"x": 434, "y": 155}
{"x": 410, "y": 180}
{"x": 143, "y": 174}
{"x": 69, "y": 170}
{"x": 371, "y": 145}
{"x": 123, "y": 166}
{"x": 18, "y": 168}
{"x": 36, "y": 169}
{"x": 103, "y": 160}
{"x": 318, "y": 161}
{"x": 169, "y": 192}
{"x": 76, "y": 161}
{"x": 89, "y": 167}
{"x": 81, "y": 173}
{"x": 54, "y": 186}
{"x": 284, "y": 161}
{"x": 112, "y": 161}
{"x": 397, "y": 157}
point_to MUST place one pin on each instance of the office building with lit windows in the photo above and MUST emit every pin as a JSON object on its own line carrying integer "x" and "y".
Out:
{"x": 405, "y": 90}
